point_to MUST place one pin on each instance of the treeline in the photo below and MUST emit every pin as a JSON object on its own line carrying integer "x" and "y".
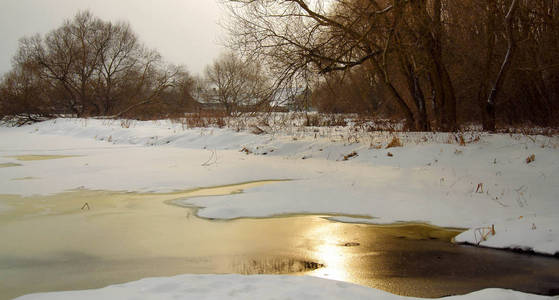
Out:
{"x": 89, "y": 67}
{"x": 92, "y": 68}
{"x": 436, "y": 63}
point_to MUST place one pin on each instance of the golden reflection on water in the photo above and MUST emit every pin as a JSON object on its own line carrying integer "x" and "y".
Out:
{"x": 33, "y": 157}
{"x": 51, "y": 243}
{"x": 56, "y": 242}
{"x": 359, "y": 253}
{"x": 7, "y": 165}
{"x": 331, "y": 252}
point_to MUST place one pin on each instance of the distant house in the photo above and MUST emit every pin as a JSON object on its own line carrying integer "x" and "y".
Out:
{"x": 209, "y": 106}
{"x": 293, "y": 100}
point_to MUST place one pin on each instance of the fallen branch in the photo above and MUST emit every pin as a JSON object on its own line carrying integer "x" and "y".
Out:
{"x": 483, "y": 232}
{"x": 212, "y": 160}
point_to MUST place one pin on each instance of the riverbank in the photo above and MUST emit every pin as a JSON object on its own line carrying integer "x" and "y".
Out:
{"x": 482, "y": 182}
{"x": 470, "y": 180}
{"x": 105, "y": 237}
{"x": 253, "y": 287}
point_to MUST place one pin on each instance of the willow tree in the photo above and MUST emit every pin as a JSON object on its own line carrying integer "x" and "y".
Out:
{"x": 401, "y": 42}
{"x": 236, "y": 83}
{"x": 93, "y": 67}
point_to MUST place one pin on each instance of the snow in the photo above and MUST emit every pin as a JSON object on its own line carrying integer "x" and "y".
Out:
{"x": 251, "y": 287}
{"x": 431, "y": 179}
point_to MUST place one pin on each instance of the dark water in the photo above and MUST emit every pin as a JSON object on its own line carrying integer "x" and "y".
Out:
{"x": 50, "y": 243}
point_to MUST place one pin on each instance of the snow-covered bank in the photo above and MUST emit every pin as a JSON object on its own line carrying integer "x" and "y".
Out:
{"x": 336, "y": 170}
{"x": 252, "y": 287}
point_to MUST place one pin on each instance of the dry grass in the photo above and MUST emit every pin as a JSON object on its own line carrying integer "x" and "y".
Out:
{"x": 203, "y": 119}
{"x": 395, "y": 142}
{"x": 462, "y": 142}
{"x": 325, "y": 120}
{"x": 350, "y": 155}
{"x": 529, "y": 130}
{"x": 245, "y": 150}
{"x": 376, "y": 146}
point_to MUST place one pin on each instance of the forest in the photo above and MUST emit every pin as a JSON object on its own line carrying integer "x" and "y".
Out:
{"x": 435, "y": 65}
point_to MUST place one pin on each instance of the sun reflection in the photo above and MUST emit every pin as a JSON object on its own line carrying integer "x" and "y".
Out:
{"x": 331, "y": 253}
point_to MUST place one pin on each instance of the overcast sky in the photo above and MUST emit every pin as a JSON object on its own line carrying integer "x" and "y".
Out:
{"x": 184, "y": 31}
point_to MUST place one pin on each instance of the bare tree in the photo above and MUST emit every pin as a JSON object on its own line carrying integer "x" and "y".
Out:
{"x": 393, "y": 37}
{"x": 489, "y": 123}
{"x": 148, "y": 83}
{"x": 68, "y": 56}
{"x": 353, "y": 91}
{"x": 437, "y": 60}
{"x": 118, "y": 63}
{"x": 22, "y": 95}
{"x": 92, "y": 67}
{"x": 235, "y": 83}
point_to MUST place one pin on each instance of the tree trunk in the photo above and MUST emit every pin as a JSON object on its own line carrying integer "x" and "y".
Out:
{"x": 410, "y": 120}
{"x": 449, "y": 119}
{"x": 408, "y": 114}
{"x": 418, "y": 97}
{"x": 423, "y": 123}
{"x": 442, "y": 83}
{"x": 505, "y": 67}
{"x": 490, "y": 29}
